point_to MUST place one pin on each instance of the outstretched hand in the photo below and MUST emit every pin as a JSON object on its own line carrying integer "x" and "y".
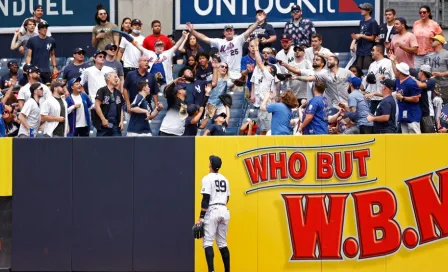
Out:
{"x": 189, "y": 26}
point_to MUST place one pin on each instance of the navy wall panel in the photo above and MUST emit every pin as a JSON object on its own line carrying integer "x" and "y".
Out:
{"x": 5, "y": 231}
{"x": 42, "y": 187}
{"x": 164, "y": 204}
{"x": 102, "y": 204}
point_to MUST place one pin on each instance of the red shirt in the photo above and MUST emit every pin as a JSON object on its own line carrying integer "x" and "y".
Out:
{"x": 150, "y": 40}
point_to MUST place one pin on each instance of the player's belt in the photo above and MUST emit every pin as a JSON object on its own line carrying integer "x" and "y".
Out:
{"x": 220, "y": 204}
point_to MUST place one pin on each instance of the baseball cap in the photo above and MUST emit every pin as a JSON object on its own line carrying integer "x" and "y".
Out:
{"x": 33, "y": 69}
{"x": 136, "y": 22}
{"x": 371, "y": 78}
{"x": 403, "y": 68}
{"x": 366, "y": 6}
{"x": 228, "y": 27}
{"x": 26, "y": 67}
{"x": 286, "y": 37}
{"x": 192, "y": 108}
{"x": 180, "y": 86}
{"x": 12, "y": 62}
{"x": 218, "y": 115}
{"x": 110, "y": 46}
{"x": 36, "y": 7}
{"x": 159, "y": 43}
{"x": 389, "y": 83}
{"x": 216, "y": 162}
{"x": 272, "y": 60}
{"x": 72, "y": 81}
{"x": 78, "y": 49}
{"x": 355, "y": 81}
{"x": 42, "y": 24}
{"x": 353, "y": 116}
{"x": 296, "y": 8}
{"x": 439, "y": 38}
{"x": 99, "y": 52}
{"x": 34, "y": 87}
{"x": 425, "y": 68}
{"x": 55, "y": 84}
{"x": 299, "y": 47}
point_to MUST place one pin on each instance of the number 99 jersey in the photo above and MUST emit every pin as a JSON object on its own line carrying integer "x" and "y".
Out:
{"x": 217, "y": 186}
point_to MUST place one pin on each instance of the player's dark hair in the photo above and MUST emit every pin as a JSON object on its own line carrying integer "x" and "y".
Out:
{"x": 203, "y": 54}
{"x": 98, "y": 8}
{"x": 337, "y": 60}
{"x": 427, "y": 9}
{"x": 27, "y": 21}
{"x": 391, "y": 10}
{"x": 141, "y": 85}
{"x": 317, "y": 35}
{"x": 155, "y": 22}
{"x": 182, "y": 71}
{"x": 320, "y": 86}
{"x": 171, "y": 36}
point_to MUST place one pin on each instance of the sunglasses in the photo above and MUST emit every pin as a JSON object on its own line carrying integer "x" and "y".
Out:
{"x": 100, "y": 56}
{"x": 223, "y": 66}
{"x": 113, "y": 49}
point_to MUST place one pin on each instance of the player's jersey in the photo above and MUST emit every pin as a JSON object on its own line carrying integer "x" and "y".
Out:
{"x": 217, "y": 186}
{"x": 231, "y": 52}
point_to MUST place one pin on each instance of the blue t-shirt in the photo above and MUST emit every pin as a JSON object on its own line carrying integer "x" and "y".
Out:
{"x": 408, "y": 112}
{"x": 2, "y": 122}
{"x": 134, "y": 77}
{"x": 41, "y": 52}
{"x": 368, "y": 28}
{"x": 217, "y": 130}
{"x": 387, "y": 106}
{"x": 195, "y": 92}
{"x": 74, "y": 71}
{"x": 244, "y": 62}
{"x": 319, "y": 124}
{"x": 137, "y": 122}
{"x": 281, "y": 118}
{"x": 112, "y": 114}
{"x": 158, "y": 68}
{"x": 356, "y": 99}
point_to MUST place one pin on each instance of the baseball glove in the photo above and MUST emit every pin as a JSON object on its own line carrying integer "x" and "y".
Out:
{"x": 241, "y": 81}
{"x": 198, "y": 230}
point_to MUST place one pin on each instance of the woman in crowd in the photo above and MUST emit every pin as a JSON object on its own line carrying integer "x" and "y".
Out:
{"x": 358, "y": 73}
{"x": 192, "y": 63}
{"x": 281, "y": 111}
{"x": 224, "y": 83}
{"x": 126, "y": 25}
{"x": 191, "y": 48}
{"x": 424, "y": 29}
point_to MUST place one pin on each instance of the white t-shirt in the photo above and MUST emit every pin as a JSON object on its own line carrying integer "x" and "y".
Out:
{"x": 231, "y": 52}
{"x": 263, "y": 83}
{"x": 131, "y": 53}
{"x": 217, "y": 186}
{"x": 379, "y": 68}
{"x": 309, "y": 53}
{"x": 167, "y": 61}
{"x": 95, "y": 79}
{"x": 80, "y": 114}
{"x": 25, "y": 93}
{"x": 32, "y": 115}
{"x": 299, "y": 88}
{"x": 51, "y": 107}
{"x": 286, "y": 58}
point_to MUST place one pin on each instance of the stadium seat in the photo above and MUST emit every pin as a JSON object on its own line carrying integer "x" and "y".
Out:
{"x": 69, "y": 61}
{"x": 60, "y": 61}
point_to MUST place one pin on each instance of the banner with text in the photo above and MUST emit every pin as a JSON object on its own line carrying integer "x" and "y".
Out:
{"x": 369, "y": 203}
{"x": 63, "y": 16}
{"x": 215, "y": 14}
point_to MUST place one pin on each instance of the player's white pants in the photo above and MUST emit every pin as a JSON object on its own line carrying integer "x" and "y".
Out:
{"x": 216, "y": 224}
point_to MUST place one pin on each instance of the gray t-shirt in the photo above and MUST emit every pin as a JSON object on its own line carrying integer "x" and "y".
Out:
{"x": 356, "y": 99}
{"x": 24, "y": 40}
{"x": 173, "y": 123}
{"x": 337, "y": 85}
{"x": 116, "y": 65}
{"x": 108, "y": 37}
{"x": 439, "y": 63}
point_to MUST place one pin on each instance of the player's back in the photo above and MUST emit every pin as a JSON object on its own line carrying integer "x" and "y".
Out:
{"x": 217, "y": 186}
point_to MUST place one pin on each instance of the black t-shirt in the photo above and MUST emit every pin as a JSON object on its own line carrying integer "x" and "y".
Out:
{"x": 195, "y": 92}
{"x": 204, "y": 73}
{"x": 263, "y": 31}
{"x": 383, "y": 34}
{"x": 41, "y": 49}
{"x": 386, "y": 107}
{"x": 60, "y": 129}
{"x": 104, "y": 95}
{"x": 190, "y": 129}
{"x": 426, "y": 97}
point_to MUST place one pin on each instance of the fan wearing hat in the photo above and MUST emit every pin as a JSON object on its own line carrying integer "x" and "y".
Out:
{"x": 78, "y": 108}
{"x": 195, "y": 113}
{"x": 4, "y": 99}
{"x": 30, "y": 114}
{"x": 300, "y": 29}
{"x": 129, "y": 53}
{"x": 384, "y": 118}
{"x": 5, "y": 80}
{"x": 77, "y": 67}
{"x": 404, "y": 44}
{"x": 33, "y": 74}
{"x": 408, "y": 97}
{"x": 368, "y": 30}
{"x": 40, "y": 50}
{"x": 94, "y": 75}
{"x": 220, "y": 123}
{"x": 439, "y": 64}
{"x": 299, "y": 88}
{"x": 264, "y": 32}
{"x": 54, "y": 112}
{"x": 110, "y": 61}
{"x": 38, "y": 12}
{"x": 231, "y": 47}
{"x": 287, "y": 54}
{"x": 173, "y": 123}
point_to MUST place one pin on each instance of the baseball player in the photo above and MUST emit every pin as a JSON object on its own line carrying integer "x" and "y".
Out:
{"x": 214, "y": 214}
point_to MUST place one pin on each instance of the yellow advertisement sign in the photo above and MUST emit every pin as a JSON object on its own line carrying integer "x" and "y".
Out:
{"x": 329, "y": 203}
{"x": 5, "y": 166}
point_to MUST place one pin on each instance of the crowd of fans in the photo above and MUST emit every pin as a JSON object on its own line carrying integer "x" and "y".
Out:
{"x": 395, "y": 82}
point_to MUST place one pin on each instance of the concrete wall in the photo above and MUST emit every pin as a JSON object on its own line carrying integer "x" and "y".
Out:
{"x": 147, "y": 11}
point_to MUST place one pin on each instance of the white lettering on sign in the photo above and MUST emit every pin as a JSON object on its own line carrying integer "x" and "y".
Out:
{"x": 230, "y": 6}
{"x": 39, "y": 2}
{"x": 64, "y": 9}
{"x": 203, "y": 12}
{"x": 16, "y": 12}
{"x": 281, "y": 9}
{"x": 4, "y": 7}
{"x": 49, "y": 6}
{"x": 19, "y": 6}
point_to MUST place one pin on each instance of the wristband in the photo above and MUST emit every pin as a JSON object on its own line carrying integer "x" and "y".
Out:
{"x": 202, "y": 215}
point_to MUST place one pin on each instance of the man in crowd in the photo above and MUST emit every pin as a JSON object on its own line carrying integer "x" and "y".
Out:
{"x": 404, "y": 44}
{"x": 102, "y": 32}
{"x": 204, "y": 70}
{"x": 40, "y": 49}
{"x": 196, "y": 88}
{"x": 426, "y": 83}
{"x": 150, "y": 41}
{"x": 357, "y": 108}
{"x": 220, "y": 123}
{"x": 366, "y": 37}
{"x": 299, "y": 88}
{"x": 231, "y": 47}
{"x": 248, "y": 65}
{"x": 4, "y": 108}
{"x": 111, "y": 51}
{"x": 141, "y": 112}
{"x": 439, "y": 65}
{"x": 130, "y": 88}
{"x": 54, "y": 112}
{"x": 37, "y": 18}
{"x": 386, "y": 30}
{"x": 94, "y": 75}
{"x": 33, "y": 74}
{"x": 6, "y": 80}
{"x": 78, "y": 108}
{"x": 287, "y": 54}
{"x": 77, "y": 67}
{"x": 264, "y": 32}
{"x": 108, "y": 116}
{"x": 384, "y": 116}
{"x": 30, "y": 114}
{"x": 315, "y": 121}
{"x": 20, "y": 41}
{"x": 128, "y": 52}
{"x": 379, "y": 70}
{"x": 299, "y": 28}
{"x": 316, "y": 48}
